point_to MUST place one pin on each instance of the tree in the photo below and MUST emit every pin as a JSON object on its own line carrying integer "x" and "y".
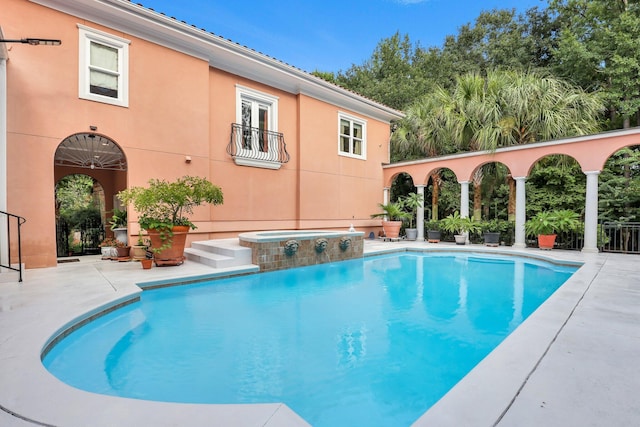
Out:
{"x": 599, "y": 48}
{"x": 388, "y": 77}
{"x": 619, "y": 194}
{"x": 424, "y": 133}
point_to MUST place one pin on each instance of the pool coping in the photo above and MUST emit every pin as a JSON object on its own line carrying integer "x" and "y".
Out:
{"x": 52, "y": 299}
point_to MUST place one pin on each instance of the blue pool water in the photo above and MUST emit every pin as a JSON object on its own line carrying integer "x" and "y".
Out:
{"x": 368, "y": 342}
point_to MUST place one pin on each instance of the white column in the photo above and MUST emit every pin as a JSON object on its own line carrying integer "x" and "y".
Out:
{"x": 591, "y": 213}
{"x": 420, "y": 216}
{"x": 464, "y": 204}
{"x": 521, "y": 212}
{"x": 4, "y": 247}
{"x": 385, "y": 198}
{"x": 464, "y": 199}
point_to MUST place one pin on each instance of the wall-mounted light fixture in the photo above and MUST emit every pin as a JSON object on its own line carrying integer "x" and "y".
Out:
{"x": 187, "y": 159}
{"x": 34, "y": 41}
{"x": 93, "y": 128}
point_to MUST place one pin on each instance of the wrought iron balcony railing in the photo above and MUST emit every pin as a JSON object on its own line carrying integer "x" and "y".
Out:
{"x": 251, "y": 146}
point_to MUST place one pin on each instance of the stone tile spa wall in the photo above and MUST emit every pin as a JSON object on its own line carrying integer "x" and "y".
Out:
{"x": 276, "y": 250}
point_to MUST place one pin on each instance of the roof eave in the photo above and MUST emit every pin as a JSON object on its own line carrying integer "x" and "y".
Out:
{"x": 221, "y": 53}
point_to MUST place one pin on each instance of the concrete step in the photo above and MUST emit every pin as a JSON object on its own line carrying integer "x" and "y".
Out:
{"x": 10, "y": 276}
{"x": 226, "y": 247}
{"x": 219, "y": 253}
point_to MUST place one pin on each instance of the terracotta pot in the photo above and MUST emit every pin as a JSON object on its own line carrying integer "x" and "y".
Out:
{"x": 138, "y": 252}
{"x": 174, "y": 253}
{"x": 146, "y": 263}
{"x": 123, "y": 252}
{"x": 546, "y": 241}
{"x": 391, "y": 229}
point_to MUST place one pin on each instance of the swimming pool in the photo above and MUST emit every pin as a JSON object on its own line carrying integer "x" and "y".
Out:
{"x": 363, "y": 342}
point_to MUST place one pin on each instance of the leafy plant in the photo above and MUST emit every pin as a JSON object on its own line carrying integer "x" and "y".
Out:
{"x": 412, "y": 202}
{"x": 552, "y": 222}
{"x": 164, "y": 204}
{"x": 454, "y": 223}
{"x": 118, "y": 219}
{"x": 393, "y": 211}
{"x": 142, "y": 241}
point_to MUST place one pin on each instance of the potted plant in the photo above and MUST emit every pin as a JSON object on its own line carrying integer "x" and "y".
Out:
{"x": 546, "y": 224}
{"x": 394, "y": 214}
{"x": 163, "y": 208}
{"x": 454, "y": 223}
{"x": 118, "y": 224}
{"x": 412, "y": 202}
{"x": 433, "y": 231}
{"x": 139, "y": 250}
{"x": 491, "y": 232}
{"x": 108, "y": 247}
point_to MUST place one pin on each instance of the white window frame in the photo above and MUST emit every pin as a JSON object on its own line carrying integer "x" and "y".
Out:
{"x": 88, "y": 35}
{"x": 352, "y": 120}
{"x": 244, "y": 93}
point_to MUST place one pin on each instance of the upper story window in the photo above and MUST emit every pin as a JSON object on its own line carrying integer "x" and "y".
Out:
{"x": 255, "y": 138}
{"x": 352, "y": 140}
{"x": 104, "y": 67}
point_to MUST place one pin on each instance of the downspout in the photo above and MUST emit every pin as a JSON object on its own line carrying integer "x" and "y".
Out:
{"x": 4, "y": 56}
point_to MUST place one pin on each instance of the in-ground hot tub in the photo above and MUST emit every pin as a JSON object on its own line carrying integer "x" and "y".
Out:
{"x": 275, "y": 250}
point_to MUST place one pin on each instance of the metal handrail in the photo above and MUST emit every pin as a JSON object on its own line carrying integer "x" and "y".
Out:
{"x": 19, "y": 221}
{"x": 257, "y": 144}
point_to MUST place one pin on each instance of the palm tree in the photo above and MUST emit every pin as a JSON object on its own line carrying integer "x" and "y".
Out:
{"x": 424, "y": 132}
{"x": 512, "y": 107}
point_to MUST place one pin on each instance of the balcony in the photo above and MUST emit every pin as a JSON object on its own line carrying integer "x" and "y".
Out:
{"x": 256, "y": 147}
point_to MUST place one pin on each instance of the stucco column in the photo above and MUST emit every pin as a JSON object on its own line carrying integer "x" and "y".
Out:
{"x": 385, "y": 197}
{"x": 464, "y": 203}
{"x": 521, "y": 211}
{"x": 420, "y": 215}
{"x": 591, "y": 213}
{"x": 4, "y": 247}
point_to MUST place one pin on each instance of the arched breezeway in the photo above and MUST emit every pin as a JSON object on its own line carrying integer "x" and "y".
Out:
{"x": 100, "y": 158}
{"x": 591, "y": 152}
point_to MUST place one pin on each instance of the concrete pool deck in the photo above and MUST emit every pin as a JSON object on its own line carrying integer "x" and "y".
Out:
{"x": 572, "y": 362}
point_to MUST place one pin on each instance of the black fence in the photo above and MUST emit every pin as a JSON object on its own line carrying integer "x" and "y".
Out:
{"x": 621, "y": 237}
{"x": 82, "y": 240}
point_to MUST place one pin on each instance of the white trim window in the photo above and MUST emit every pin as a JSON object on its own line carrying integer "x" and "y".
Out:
{"x": 104, "y": 67}
{"x": 257, "y": 113}
{"x": 352, "y": 136}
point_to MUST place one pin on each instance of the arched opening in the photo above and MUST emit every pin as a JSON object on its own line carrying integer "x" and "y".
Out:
{"x": 80, "y": 215}
{"x": 619, "y": 202}
{"x": 492, "y": 192}
{"x": 89, "y": 170}
{"x": 556, "y": 182}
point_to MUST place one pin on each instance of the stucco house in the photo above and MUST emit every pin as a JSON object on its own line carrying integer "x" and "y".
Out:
{"x": 132, "y": 94}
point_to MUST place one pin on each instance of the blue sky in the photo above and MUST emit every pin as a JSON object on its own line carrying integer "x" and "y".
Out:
{"x": 329, "y": 35}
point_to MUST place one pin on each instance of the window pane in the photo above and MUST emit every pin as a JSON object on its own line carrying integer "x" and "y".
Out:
{"x": 345, "y": 127}
{"x": 103, "y": 84}
{"x": 357, "y": 147}
{"x": 357, "y": 130}
{"x": 344, "y": 145}
{"x": 246, "y": 125}
{"x": 263, "y": 116}
{"x": 104, "y": 57}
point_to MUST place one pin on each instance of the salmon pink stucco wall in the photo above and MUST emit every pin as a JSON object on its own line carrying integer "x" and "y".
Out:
{"x": 180, "y": 106}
